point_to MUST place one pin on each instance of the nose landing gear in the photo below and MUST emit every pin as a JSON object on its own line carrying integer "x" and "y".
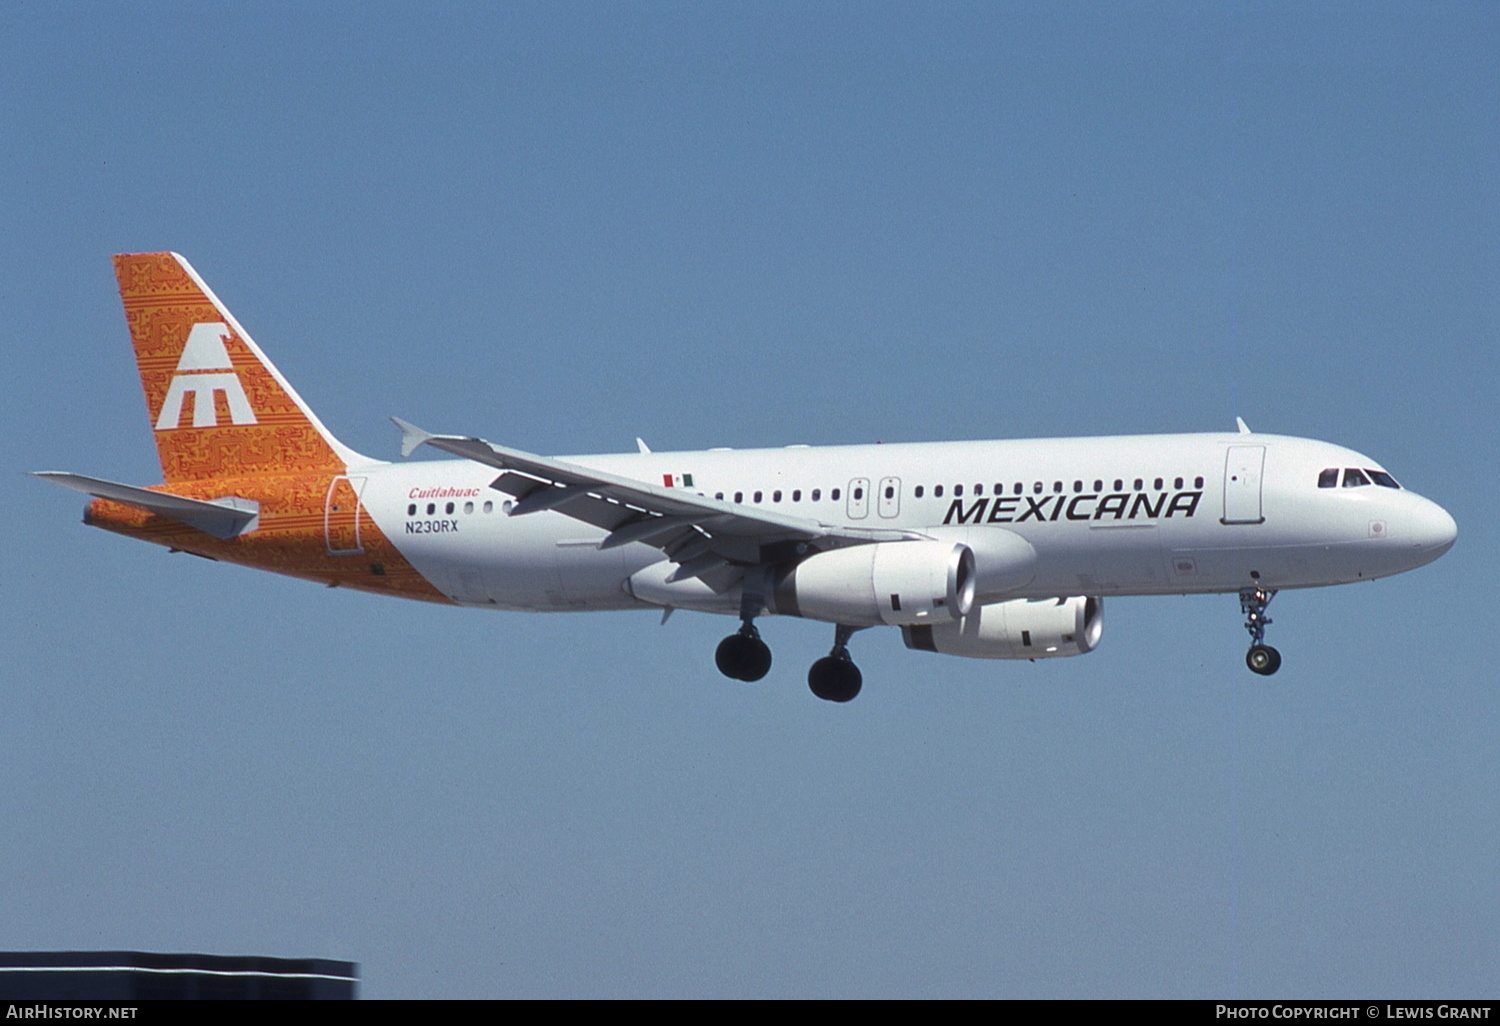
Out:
{"x": 835, "y": 678}
{"x": 1262, "y": 658}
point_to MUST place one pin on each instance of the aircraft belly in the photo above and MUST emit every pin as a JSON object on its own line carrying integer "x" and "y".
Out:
{"x": 1125, "y": 559}
{"x": 589, "y": 578}
{"x": 1205, "y": 569}
{"x": 1098, "y": 561}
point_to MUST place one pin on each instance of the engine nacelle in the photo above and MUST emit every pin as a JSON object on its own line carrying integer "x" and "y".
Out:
{"x": 907, "y": 582}
{"x": 1003, "y": 560}
{"x": 1018, "y": 629}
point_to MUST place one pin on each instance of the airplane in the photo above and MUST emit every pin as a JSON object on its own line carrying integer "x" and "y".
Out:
{"x": 982, "y": 549}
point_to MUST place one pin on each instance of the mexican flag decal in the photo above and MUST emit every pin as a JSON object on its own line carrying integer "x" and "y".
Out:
{"x": 677, "y": 480}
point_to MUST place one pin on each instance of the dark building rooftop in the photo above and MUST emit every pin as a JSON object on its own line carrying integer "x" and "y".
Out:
{"x": 156, "y": 976}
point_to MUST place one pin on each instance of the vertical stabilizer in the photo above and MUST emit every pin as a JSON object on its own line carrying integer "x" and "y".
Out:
{"x": 218, "y": 407}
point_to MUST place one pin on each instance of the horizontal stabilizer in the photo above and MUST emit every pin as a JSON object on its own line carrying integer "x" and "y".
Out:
{"x": 223, "y": 518}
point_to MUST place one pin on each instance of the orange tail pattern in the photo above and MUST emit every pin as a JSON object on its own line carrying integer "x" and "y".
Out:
{"x": 228, "y": 424}
{"x": 311, "y": 526}
{"x": 218, "y": 408}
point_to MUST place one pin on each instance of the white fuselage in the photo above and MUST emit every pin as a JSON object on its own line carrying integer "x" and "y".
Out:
{"x": 1140, "y": 515}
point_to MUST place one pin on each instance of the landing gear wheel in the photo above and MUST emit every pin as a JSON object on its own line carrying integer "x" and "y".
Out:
{"x": 1263, "y": 659}
{"x": 743, "y": 657}
{"x": 835, "y": 680}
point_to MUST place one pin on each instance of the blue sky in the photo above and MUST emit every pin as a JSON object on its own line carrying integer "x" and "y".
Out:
{"x": 564, "y": 225}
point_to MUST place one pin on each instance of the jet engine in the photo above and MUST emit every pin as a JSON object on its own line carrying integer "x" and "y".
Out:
{"x": 906, "y": 582}
{"x": 1003, "y": 560}
{"x": 1018, "y": 629}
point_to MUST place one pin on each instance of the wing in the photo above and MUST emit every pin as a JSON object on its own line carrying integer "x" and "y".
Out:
{"x": 706, "y": 538}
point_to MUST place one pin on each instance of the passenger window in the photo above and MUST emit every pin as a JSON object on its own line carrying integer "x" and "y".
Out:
{"x": 489, "y": 507}
{"x": 938, "y": 492}
{"x": 890, "y": 493}
{"x": 468, "y": 507}
{"x": 1197, "y": 482}
{"x": 739, "y": 496}
{"x": 979, "y": 489}
{"x": 1057, "y": 486}
{"x": 1139, "y": 484}
{"x": 859, "y": 493}
{"x": 1354, "y": 478}
{"x": 719, "y": 496}
{"x": 431, "y": 508}
{"x": 1098, "y": 486}
{"x": 1119, "y": 485}
{"x": 817, "y": 494}
{"x": 834, "y": 495}
{"x": 957, "y": 490}
{"x": 448, "y": 509}
{"x": 1177, "y": 483}
{"x": 917, "y": 491}
{"x": 1077, "y": 486}
{"x": 1329, "y": 478}
{"x": 797, "y": 495}
{"x": 758, "y": 495}
{"x": 411, "y": 510}
{"x": 776, "y": 495}
{"x": 1383, "y": 479}
{"x": 1036, "y": 487}
{"x": 999, "y": 489}
{"x": 1158, "y": 484}
{"x": 1019, "y": 488}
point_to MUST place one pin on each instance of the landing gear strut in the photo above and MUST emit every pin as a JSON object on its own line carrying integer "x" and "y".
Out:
{"x": 1262, "y": 658}
{"x": 743, "y": 656}
{"x": 835, "y": 678}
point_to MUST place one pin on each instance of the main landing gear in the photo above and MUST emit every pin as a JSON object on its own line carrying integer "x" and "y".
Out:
{"x": 835, "y": 678}
{"x": 1262, "y": 658}
{"x": 743, "y": 656}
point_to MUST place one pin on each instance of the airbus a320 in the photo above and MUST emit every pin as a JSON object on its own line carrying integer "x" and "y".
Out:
{"x": 990, "y": 550}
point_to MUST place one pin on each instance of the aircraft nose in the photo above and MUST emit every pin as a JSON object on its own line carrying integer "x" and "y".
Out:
{"x": 1433, "y": 530}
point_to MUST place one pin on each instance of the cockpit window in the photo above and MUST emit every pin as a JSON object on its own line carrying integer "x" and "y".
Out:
{"x": 1383, "y": 479}
{"x": 1329, "y": 478}
{"x": 1354, "y": 478}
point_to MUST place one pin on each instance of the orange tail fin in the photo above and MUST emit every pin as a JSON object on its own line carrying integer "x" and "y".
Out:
{"x": 218, "y": 407}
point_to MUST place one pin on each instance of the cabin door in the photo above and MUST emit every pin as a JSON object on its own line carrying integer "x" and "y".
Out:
{"x": 1242, "y": 479}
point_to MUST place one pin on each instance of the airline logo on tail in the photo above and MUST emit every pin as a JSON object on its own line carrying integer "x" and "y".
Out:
{"x": 194, "y": 356}
{"x": 203, "y": 371}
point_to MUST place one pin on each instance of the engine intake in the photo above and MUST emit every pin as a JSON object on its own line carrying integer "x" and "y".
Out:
{"x": 1018, "y": 629}
{"x": 907, "y": 582}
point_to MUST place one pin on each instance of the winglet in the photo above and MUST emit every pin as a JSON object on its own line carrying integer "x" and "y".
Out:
{"x": 1244, "y": 428}
{"x": 640, "y": 444}
{"x": 411, "y": 436}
